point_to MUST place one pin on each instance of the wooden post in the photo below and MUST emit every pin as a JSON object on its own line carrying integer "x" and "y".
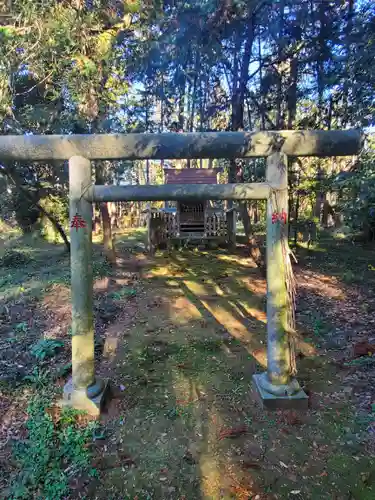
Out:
{"x": 231, "y": 218}
{"x": 83, "y": 391}
{"x": 277, "y": 387}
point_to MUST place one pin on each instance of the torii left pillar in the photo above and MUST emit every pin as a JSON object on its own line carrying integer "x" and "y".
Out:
{"x": 84, "y": 391}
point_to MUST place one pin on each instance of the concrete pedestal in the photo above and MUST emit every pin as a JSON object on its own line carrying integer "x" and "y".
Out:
{"x": 81, "y": 399}
{"x": 284, "y": 397}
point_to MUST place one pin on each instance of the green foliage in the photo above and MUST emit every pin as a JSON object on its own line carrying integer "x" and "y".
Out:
{"x": 26, "y": 214}
{"x": 364, "y": 361}
{"x": 64, "y": 370}
{"x": 40, "y": 378}
{"x": 15, "y": 258}
{"x": 357, "y": 194}
{"x": 46, "y": 348}
{"x": 349, "y": 276}
{"x": 59, "y": 207}
{"x": 21, "y": 327}
{"x": 72, "y": 78}
{"x": 69, "y": 415}
{"x": 101, "y": 269}
{"x": 259, "y": 227}
{"x": 124, "y": 293}
{"x": 51, "y": 453}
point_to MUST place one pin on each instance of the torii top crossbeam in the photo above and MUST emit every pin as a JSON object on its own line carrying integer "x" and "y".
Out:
{"x": 180, "y": 146}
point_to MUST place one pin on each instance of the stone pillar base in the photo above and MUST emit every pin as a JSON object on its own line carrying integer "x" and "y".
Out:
{"x": 81, "y": 399}
{"x": 286, "y": 397}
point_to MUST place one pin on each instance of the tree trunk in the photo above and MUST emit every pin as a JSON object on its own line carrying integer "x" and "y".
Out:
{"x": 256, "y": 214}
{"x": 181, "y": 106}
{"x": 320, "y": 195}
{"x": 147, "y": 171}
{"x": 194, "y": 93}
{"x": 107, "y": 234}
{"x": 238, "y": 100}
{"x": 321, "y": 58}
{"x": 327, "y": 211}
{"x": 348, "y": 33}
{"x": 57, "y": 225}
{"x": 292, "y": 92}
{"x": 17, "y": 182}
{"x": 279, "y": 96}
{"x": 296, "y": 220}
{"x": 261, "y": 107}
{"x": 109, "y": 249}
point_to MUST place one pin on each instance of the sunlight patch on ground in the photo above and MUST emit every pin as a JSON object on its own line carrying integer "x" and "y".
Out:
{"x": 119, "y": 281}
{"x": 208, "y": 289}
{"x": 165, "y": 268}
{"x": 206, "y": 429}
{"x": 110, "y": 348}
{"x": 160, "y": 271}
{"x": 255, "y": 313}
{"x": 58, "y": 296}
{"x": 101, "y": 285}
{"x": 305, "y": 348}
{"x": 211, "y": 476}
{"x": 313, "y": 246}
{"x": 141, "y": 256}
{"x": 235, "y": 259}
{"x": 172, "y": 283}
{"x": 14, "y": 292}
{"x": 254, "y": 285}
{"x": 183, "y": 311}
{"x": 329, "y": 286}
{"x": 186, "y": 390}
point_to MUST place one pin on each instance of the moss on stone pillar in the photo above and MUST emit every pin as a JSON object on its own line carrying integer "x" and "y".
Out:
{"x": 83, "y": 391}
{"x": 278, "y": 351}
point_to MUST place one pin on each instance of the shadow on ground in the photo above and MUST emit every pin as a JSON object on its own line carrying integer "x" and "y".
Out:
{"x": 180, "y": 336}
{"x": 187, "y": 420}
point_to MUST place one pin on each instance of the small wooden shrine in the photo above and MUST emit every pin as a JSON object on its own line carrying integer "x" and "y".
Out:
{"x": 188, "y": 221}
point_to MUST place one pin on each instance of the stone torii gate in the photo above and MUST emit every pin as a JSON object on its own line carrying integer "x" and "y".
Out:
{"x": 277, "y": 387}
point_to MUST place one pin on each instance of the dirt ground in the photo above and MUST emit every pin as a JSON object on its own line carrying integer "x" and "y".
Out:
{"x": 180, "y": 336}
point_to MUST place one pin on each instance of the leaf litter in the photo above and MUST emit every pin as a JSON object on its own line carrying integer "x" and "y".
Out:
{"x": 154, "y": 456}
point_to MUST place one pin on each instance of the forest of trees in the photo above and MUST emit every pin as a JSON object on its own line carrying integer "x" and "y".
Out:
{"x": 138, "y": 66}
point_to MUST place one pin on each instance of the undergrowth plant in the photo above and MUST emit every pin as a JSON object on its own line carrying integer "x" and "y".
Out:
{"x": 124, "y": 293}
{"x": 46, "y": 348}
{"x": 40, "y": 378}
{"x": 100, "y": 269}
{"x": 15, "y": 258}
{"x": 52, "y": 453}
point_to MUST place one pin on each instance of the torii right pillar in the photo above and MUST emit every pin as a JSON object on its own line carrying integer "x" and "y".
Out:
{"x": 277, "y": 388}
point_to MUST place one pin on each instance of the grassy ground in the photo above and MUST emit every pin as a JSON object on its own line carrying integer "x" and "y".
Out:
{"x": 180, "y": 336}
